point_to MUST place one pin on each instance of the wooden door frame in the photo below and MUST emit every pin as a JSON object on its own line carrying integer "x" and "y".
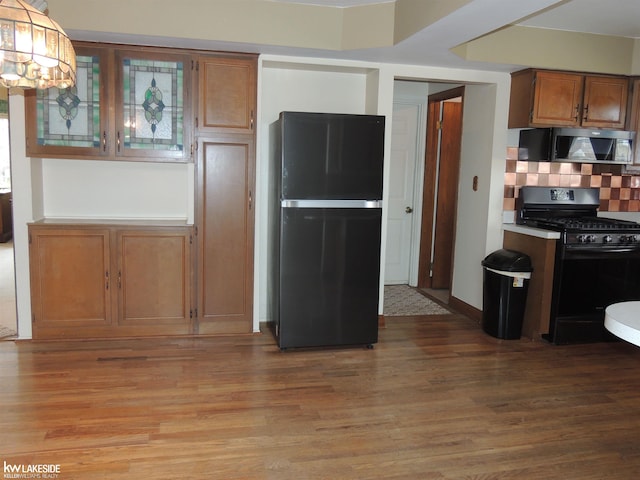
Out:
{"x": 429, "y": 185}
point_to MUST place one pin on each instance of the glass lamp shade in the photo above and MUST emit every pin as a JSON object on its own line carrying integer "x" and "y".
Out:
{"x": 34, "y": 51}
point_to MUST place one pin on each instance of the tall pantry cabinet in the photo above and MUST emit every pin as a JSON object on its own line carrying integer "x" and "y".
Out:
{"x": 225, "y": 166}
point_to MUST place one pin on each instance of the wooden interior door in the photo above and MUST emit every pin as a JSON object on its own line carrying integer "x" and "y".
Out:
{"x": 225, "y": 236}
{"x": 442, "y": 167}
{"x": 449, "y": 166}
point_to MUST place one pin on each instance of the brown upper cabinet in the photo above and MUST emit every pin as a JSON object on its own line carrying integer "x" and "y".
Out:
{"x": 541, "y": 98}
{"x": 129, "y": 103}
{"x": 227, "y": 91}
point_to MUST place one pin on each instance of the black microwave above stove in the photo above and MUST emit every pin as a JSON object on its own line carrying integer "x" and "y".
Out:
{"x": 581, "y": 145}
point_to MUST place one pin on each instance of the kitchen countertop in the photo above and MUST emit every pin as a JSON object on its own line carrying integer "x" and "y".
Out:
{"x": 534, "y": 232}
{"x": 131, "y": 222}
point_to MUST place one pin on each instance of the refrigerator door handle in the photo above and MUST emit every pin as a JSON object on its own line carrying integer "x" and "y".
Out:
{"x": 331, "y": 203}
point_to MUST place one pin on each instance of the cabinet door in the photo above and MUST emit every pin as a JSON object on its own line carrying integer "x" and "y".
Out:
{"x": 225, "y": 237}
{"x": 227, "y": 94}
{"x": 557, "y": 99}
{"x": 72, "y": 121}
{"x": 605, "y": 102}
{"x": 70, "y": 282}
{"x": 153, "y": 105}
{"x": 154, "y": 281}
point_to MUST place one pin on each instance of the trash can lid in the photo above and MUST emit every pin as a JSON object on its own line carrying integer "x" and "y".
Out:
{"x": 508, "y": 261}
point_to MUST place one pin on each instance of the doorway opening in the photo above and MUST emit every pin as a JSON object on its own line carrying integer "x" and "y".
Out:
{"x": 440, "y": 193}
{"x": 422, "y": 188}
{"x": 8, "y": 316}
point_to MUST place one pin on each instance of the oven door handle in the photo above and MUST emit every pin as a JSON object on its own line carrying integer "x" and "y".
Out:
{"x": 601, "y": 251}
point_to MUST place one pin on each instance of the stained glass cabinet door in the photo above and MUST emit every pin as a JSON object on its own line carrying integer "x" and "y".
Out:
{"x": 153, "y": 106}
{"x": 126, "y": 105}
{"x": 71, "y": 122}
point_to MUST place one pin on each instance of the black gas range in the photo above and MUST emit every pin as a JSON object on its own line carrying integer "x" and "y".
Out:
{"x": 597, "y": 259}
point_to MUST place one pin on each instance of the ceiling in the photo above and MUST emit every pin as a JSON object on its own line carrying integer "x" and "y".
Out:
{"x": 337, "y": 3}
{"x": 614, "y": 17}
{"x": 500, "y": 35}
{"x": 431, "y": 46}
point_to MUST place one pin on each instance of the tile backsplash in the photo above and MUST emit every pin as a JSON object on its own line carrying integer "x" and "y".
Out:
{"x": 619, "y": 192}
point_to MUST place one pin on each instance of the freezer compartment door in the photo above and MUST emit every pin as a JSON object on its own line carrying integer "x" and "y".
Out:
{"x": 329, "y": 277}
{"x": 332, "y": 156}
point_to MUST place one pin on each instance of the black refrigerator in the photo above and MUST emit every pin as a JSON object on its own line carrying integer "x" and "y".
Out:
{"x": 325, "y": 235}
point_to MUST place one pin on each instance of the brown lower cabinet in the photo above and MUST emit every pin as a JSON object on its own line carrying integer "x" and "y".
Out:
{"x": 105, "y": 281}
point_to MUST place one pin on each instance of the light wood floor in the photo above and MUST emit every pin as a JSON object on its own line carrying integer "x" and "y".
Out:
{"x": 436, "y": 399}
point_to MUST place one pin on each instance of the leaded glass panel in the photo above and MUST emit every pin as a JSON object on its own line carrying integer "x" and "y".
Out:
{"x": 153, "y": 112}
{"x": 70, "y": 117}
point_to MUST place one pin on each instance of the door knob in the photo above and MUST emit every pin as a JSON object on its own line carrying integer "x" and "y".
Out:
{"x": 408, "y": 210}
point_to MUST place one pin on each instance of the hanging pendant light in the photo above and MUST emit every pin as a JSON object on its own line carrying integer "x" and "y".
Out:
{"x": 34, "y": 51}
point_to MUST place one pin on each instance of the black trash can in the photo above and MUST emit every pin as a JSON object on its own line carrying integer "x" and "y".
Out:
{"x": 506, "y": 281}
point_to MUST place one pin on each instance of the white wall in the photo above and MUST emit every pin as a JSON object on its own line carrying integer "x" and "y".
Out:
{"x": 25, "y": 195}
{"x": 99, "y": 189}
{"x": 483, "y": 155}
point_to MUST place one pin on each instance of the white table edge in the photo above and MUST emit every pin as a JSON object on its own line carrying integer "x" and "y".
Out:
{"x": 623, "y": 320}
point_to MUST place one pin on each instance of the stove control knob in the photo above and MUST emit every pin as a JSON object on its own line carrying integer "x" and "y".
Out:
{"x": 586, "y": 238}
{"x": 607, "y": 239}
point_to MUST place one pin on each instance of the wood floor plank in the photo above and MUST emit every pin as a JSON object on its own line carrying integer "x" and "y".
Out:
{"x": 435, "y": 399}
